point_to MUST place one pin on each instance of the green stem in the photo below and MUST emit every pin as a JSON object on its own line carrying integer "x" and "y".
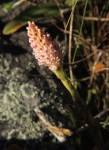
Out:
{"x": 80, "y": 108}
{"x": 64, "y": 79}
{"x": 75, "y": 96}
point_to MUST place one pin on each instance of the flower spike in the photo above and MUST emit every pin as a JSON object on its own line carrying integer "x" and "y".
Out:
{"x": 45, "y": 50}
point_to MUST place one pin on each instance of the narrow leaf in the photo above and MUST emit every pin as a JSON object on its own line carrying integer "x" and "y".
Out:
{"x": 36, "y": 13}
{"x": 13, "y": 26}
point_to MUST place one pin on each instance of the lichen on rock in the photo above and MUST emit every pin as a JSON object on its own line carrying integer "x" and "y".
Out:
{"x": 18, "y": 97}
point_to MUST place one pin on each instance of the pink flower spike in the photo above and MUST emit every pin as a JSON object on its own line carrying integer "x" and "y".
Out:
{"x": 46, "y": 50}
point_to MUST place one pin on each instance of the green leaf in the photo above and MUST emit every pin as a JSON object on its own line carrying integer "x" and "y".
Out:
{"x": 7, "y": 6}
{"x": 89, "y": 94}
{"x": 94, "y": 91}
{"x": 13, "y": 26}
{"x": 10, "y": 5}
{"x": 70, "y": 2}
{"x": 42, "y": 10}
{"x": 36, "y": 13}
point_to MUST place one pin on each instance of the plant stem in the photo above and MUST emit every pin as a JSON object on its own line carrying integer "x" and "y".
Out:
{"x": 80, "y": 109}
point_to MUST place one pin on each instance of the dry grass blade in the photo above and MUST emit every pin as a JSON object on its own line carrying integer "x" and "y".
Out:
{"x": 95, "y": 19}
{"x": 59, "y": 133}
{"x": 70, "y": 43}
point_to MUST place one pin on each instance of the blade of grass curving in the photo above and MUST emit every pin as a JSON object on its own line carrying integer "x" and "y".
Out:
{"x": 92, "y": 23}
{"x": 70, "y": 22}
{"x": 73, "y": 7}
{"x": 80, "y": 30}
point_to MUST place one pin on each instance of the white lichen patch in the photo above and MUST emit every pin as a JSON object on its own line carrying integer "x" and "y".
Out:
{"x": 14, "y": 97}
{"x": 27, "y": 90}
{"x": 18, "y": 97}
